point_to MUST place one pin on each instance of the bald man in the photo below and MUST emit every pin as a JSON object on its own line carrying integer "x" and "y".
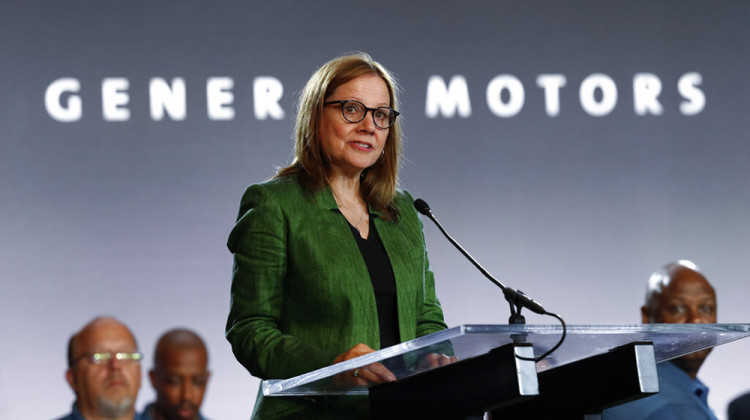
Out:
{"x": 104, "y": 371}
{"x": 179, "y": 377}
{"x": 676, "y": 293}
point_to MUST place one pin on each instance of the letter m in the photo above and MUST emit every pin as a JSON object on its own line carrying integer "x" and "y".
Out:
{"x": 447, "y": 100}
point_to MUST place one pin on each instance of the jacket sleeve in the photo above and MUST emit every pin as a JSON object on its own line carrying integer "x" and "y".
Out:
{"x": 430, "y": 316}
{"x": 259, "y": 245}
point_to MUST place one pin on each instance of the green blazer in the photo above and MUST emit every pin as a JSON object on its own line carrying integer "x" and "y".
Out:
{"x": 301, "y": 293}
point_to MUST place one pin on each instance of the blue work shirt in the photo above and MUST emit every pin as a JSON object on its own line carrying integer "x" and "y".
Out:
{"x": 75, "y": 414}
{"x": 680, "y": 397}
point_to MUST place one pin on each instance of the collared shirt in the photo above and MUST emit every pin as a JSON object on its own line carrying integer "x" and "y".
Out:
{"x": 680, "y": 397}
{"x": 148, "y": 412}
{"x": 75, "y": 414}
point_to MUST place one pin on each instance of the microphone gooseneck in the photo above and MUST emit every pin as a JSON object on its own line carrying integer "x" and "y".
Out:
{"x": 516, "y": 298}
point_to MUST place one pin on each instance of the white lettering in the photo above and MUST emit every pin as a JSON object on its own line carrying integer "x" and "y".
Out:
{"x": 114, "y": 98}
{"x": 646, "y": 90}
{"x": 551, "y": 83}
{"x": 587, "y": 92}
{"x": 267, "y": 92}
{"x": 164, "y": 97}
{"x": 505, "y": 97}
{"x": 516, "y": 95}
{"x": 447, "y": 100}
{"x": 72, "y": 110}
{"x": 219, "y": 96}
{"x": 695, "y": 98}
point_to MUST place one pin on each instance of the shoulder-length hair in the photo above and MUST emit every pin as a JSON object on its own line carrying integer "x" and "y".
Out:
{"x": 378, "y": 183}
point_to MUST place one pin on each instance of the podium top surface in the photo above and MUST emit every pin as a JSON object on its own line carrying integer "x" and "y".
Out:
{"x": 467, "y": 341}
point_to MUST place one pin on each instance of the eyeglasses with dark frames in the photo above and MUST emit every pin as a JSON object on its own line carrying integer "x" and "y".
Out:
{"x": 355, "y": 111}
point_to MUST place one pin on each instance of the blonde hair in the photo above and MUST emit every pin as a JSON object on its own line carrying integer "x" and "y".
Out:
{"x": 378, "y": 183}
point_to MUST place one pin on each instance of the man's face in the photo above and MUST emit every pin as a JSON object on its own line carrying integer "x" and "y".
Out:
{"x": 688, "y": 299}
{"x": 180, "y": 382}
{"x": 110, "y": 387}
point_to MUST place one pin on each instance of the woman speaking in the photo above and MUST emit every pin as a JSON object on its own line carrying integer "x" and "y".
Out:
{"x": 329, "y": 256}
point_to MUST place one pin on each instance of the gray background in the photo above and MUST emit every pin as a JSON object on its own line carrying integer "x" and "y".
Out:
{"x": 130, "y": 218}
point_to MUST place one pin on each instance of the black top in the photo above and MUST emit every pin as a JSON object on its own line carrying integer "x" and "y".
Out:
{"x": 383, "y": 283}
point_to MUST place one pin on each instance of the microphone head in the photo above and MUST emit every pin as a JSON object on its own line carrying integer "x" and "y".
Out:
{"x": 422, "y": 206}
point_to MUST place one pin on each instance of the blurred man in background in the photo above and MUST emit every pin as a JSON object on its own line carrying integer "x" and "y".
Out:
{"x": 104, "y": 371}
{"x": 677, "y": 293}
{"x": 179, "y": 377}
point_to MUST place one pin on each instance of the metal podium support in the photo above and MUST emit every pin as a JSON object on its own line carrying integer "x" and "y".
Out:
{"x": 587, "y": 386}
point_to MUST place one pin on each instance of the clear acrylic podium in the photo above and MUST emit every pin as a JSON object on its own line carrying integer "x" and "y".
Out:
{"x": 596, "y": 367}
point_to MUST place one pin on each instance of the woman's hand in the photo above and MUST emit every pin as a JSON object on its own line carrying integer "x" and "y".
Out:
{"x": 374, "y": 373}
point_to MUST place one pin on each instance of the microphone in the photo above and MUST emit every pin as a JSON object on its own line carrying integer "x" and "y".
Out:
{"x": 513, "y": 296}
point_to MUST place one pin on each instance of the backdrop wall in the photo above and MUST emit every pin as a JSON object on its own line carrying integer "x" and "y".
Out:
{"x": 572, "y": 147}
